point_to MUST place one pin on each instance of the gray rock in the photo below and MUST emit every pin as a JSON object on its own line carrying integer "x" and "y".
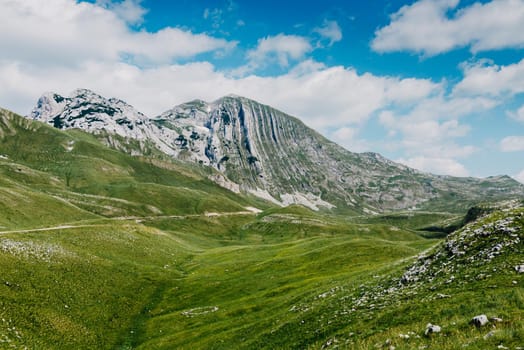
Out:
{"x": 265, "y": 152}
{"x": 432, "y": 328}
{"x": 489, "y": 335}
{"x": 480, "y": 320}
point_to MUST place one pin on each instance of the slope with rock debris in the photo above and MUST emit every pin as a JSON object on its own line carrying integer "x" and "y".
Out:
{"x": 265, "y": 152}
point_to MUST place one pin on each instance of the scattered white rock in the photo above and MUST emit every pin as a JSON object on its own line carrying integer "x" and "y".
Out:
{"x": 489, "y": 335}
{"x": 31, "y": 250}
{"x": 432, "y": 328}
{"x": 200, "y": 311}
{"x": 480, "y": 320}
{"x": 519, "y": 268}
{"x": 443, "y": 296}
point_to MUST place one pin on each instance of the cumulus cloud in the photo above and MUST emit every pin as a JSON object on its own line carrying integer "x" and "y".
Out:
{"x": 427, "y": 132}
{"x": 131, "y": 11}
{"x": 281, "y": 49}
{"x": 512, "y": 144}
{"x": 487, "y": 78}
{"x": 517, "y": 115}
{"x": 323, "y": 97}
{"x": 348, "y": 138}
{"x": 442, "y": 166}
{"x": 330, "y": 30}
{"x": 520, "y": 177}
{"x": 64, "y": 32}
{"x": 421, "y": 118}
{"x": 31, "y": 63}
{"x": 427, "y": 27}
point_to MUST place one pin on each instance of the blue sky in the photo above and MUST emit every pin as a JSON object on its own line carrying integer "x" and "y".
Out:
{"x": 434, "y": 84}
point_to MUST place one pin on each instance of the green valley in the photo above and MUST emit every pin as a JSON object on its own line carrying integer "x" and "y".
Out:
{"x": 103, "y": 250}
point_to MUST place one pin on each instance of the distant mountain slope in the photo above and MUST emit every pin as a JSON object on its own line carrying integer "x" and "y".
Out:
{"x": 49, "y": 176}
{"x": 266, "y": 152}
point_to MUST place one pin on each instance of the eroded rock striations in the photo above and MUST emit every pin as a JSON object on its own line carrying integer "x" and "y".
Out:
{"x": 268, "y": 153}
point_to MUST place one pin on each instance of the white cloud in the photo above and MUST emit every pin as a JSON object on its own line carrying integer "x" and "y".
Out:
{"x": 76, "y": 57}
{"x": 518, "y": 115}
{"x": 411, "y": 90}
{"x": 512, "y": 144}
{"x": 520, "y": 177}
{"x": 63, "y": 32}
{"x": 169, "y": 43}
{"x": 129, "y": 10}
{"x": 427, "y": 133}
{"x": 437, "y": 107}
{"x": 280, "y": 48}
{"x": 334, "y": 96}
{"x": 323, "y": 97}
{"x": 215, "y": 16}
{"x": 348, "y": 138}
{"x": 421, "y": 118}
{"x": 486, "y": 78}
{"x": 330, "y": 30}
{"x": 442, "y": 166}
{"x": 426, "y": 27}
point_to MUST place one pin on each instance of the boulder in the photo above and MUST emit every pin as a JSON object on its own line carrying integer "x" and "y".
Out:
{"x": 431, "y": 328}
{"x": 480, "y": 320}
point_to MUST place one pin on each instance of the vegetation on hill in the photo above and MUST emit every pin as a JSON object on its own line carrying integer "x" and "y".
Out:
{"x": 99, "y": 249}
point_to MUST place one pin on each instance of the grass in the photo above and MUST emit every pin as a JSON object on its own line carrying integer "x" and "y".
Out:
{"x": 236, "y": 282}
{"x": 129, "y": 259}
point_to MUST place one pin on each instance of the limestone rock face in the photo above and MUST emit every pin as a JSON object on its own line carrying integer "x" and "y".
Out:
{"x": 260, "y": 150}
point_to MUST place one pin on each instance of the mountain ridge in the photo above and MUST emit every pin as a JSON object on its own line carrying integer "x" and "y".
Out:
{"x": 266, "y": 152}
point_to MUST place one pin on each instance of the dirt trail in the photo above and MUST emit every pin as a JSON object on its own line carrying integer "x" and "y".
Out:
{"x": 53, "y": 228}
{"x": 123, "y": 218}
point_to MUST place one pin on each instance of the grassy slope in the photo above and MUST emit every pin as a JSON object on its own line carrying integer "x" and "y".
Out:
{"x": 275, "y": 281}
{"x": 288, "y": 278}
{"x": 67, "y": 166}
{"x": 78, "y": 288}
{"x": 335, "y": 285}
{"x": 118, "y": 284}
{"x": 254, "y": 286}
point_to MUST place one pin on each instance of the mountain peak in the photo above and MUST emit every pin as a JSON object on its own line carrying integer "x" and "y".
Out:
{"x": 261, "y": 150}
{"x": 48, "y": 104}
{"x": 89, "y": 111}
{"x": 85, "y": 93}
{"x": 232, "y": 97}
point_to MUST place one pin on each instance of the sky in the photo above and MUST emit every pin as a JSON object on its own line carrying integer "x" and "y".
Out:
{"x": 437, "y": 85}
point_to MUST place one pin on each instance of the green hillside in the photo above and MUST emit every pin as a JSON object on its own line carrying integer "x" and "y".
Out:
{"x": 102, "y": 250}
{"x": 84, "y": 178}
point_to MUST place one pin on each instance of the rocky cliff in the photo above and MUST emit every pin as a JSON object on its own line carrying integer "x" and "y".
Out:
{"x": 268, "y": 153}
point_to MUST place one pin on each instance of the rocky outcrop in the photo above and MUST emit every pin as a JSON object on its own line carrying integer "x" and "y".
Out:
{"x": 480, "y": 321}
{"x": 265, "y": 152}
{"x": 431, "y": 329}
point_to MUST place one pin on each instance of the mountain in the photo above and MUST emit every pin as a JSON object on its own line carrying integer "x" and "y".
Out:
{"x": 47, "y": 172}
{"x": 103, "y": 250}
{"x": 265, "y": 152}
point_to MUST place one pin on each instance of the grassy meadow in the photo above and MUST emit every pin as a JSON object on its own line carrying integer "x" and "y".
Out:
{"x": 101, "y": 250}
